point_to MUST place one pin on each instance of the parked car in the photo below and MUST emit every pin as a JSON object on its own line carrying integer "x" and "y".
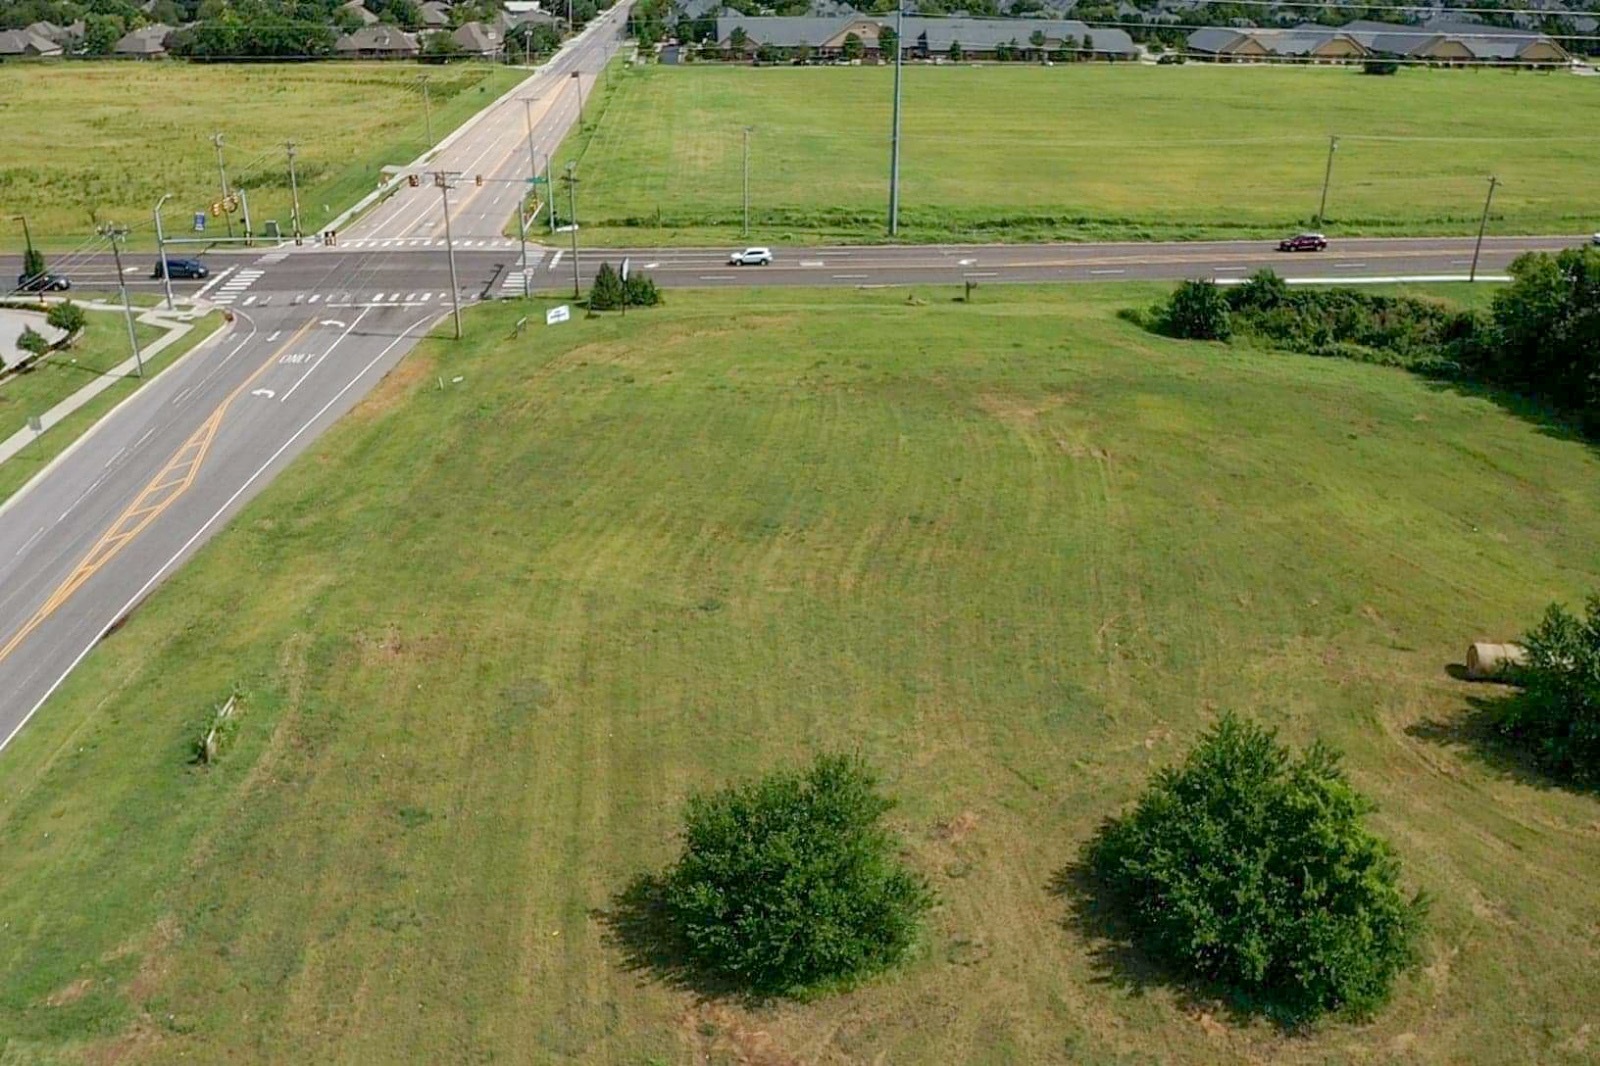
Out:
{"x": 1596, "y": 240}
{"x": 42, "y": 283}
{"x": 1303, "y": 242}
{"x": 182, "y": 268}
{"x": 751, "y": 257}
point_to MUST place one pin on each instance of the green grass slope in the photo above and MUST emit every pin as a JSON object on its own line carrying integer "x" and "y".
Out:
{"x": 1084, "y": 152}
{"x": 489, "y": 633}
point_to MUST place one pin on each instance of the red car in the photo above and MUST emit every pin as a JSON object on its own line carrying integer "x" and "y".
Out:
{"x": 1303, "y": 242}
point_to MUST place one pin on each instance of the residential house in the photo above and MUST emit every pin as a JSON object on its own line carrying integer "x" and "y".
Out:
{"x": 1447, "y": 42}
{"x": 478, "y": 39}
{"x": 147, "y": 42}
{"x": 1305, "y": 43}
{"x": 1224, "y": 44}
{"x": 924, "y": 37}
{"x": 360, "y": 11}
{"x": 435, "y": 15}
{"x": 25, "y": 44}
{"x": 377, "y": 42}
{"x": 825, "y": 37}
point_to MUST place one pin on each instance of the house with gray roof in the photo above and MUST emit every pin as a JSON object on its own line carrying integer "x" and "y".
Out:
{"x": 147, "y": 42}
{"x": 357, "y": 8}
{"x": 25, "y": 44}
{"x": 924, "y": 37}
{"x": 478, "y": 39}
{"x": 377, "y": 42}
{"x": 435, "y": 15}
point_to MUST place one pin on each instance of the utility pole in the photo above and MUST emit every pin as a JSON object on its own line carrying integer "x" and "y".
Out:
{"x": 572, "y": 223}
{"x": 445, "y": 180}
{"x": 27, "y": 234}
{"x": 522, "y": 203}
{"x": 427, "y": 106}
{"x": 222, "y": 173}
{"x": 294, "y": 189}
{"x": 115, "y": 234}
{"x": 1327, "y": 176}
{"x": 244, "y": 205}
{"x": 747, "y": 181}
{"x": 894, "y": 136}
{"x": 1482, "y": 223}
{"x": 577, "y": 80}
{"x": 161, "y": 250}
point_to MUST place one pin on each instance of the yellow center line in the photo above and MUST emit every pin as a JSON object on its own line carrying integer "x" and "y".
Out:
{"x": 170, "y": 484}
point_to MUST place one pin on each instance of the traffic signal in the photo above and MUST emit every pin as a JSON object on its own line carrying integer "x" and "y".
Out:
{"x": 330, "y": 237}
{"x": 216, "y": 208}
{"x": 413, "y": 180}
{"x": 480, "y": 180}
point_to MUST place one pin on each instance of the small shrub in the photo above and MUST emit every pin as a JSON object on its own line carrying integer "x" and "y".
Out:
{"x": 640, "y": 290}
{"x": 1198, "y": 311}
{"x": 33, "y": 342}
{"x": 791, "y": 883}
{"x": 1250, "y": 869}
{"x": 606, "y": 294}
{"x": 69, "y": 318}
{"x": 1380, "y": 67}
{"x": 1557, "y": 713}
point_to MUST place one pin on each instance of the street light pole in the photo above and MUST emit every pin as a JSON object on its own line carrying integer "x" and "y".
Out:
{"x": 115, "y": 234}
{"x": 550, "y": 190}
{"x": 572, "y": 224}
{"x": 747, "y": 181}
{"x": 1482, "y": 223}
{"x": 444, "y": 180}
{"x": 222, "y": 173}
{"x": 294, "y": 189}
{"x": 161, "y": 250}
{"x": 1327, "y": 176}
{"x": 894, "y": 136}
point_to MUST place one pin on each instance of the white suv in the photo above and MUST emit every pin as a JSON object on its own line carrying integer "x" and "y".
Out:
{"x": 751, "y": 257}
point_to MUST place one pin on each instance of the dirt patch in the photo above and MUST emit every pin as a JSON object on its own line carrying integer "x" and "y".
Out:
{"x": 397, "y": 386}
{"x": 70, "y": 994}
{"x": 956, "y": 829}
{"x": 153, "y": 960}
{"x": 712, "y": 1029}
{"x": 128, "y": 1044}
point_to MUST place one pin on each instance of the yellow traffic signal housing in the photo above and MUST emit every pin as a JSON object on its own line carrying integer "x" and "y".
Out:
{"x": 480, "y": 179}
{"x": 413, "y": 181}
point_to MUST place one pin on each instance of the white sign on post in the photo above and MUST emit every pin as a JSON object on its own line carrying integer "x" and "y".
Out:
{"x": 557, "y": 314}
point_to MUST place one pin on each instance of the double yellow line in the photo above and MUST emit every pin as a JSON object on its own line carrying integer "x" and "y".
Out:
{"x": 153, "y": 501}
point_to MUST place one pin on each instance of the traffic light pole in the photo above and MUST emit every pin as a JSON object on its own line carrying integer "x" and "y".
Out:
{"x": 294, "y": 190}
{"x": 222, "y": 175}
{"x": 161, "y": 251}
{"x": 572, "y": 224}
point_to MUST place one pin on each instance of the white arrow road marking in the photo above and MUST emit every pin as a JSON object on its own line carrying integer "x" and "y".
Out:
{"x": 965, "y": 262}
{"x": 651, "y": 266}
{"x": 331, "y": 322}
{"x": 268, "y": 393}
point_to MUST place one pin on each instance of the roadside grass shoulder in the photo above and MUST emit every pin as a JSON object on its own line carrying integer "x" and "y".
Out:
{"x": 492, "y": 628}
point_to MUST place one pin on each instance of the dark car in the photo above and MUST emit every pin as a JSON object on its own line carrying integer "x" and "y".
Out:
{"x": 1303, "y": 242}
{"x": 42, "y": 283}
{"x": 182, "y": 268}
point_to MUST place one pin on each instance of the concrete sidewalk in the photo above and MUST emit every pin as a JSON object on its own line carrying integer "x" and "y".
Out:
{"x": 176, "y": 323}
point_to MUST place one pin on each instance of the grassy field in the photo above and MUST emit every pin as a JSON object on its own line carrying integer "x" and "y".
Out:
{"x": 104, "y": 346}
{"x": 1084, "y": 152}
{"x": 493, "y": 627}
{"x": 95, "y": 142}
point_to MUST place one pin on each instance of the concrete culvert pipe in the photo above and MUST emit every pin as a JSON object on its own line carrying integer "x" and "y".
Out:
{"x": 1494, "y": 662}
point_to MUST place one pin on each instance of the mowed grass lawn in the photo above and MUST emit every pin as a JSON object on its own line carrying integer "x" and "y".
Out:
{"x": 1084, "y": 152}
{"x": 87, "y": 142}
{"x": 490, "y": 632}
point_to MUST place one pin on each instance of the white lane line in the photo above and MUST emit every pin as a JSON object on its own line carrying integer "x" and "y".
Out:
{"x": 274, "y": 336}
{"x": 144, "y": 438}
{"x": 1349, "y": 266}
{"x": 652, "y": 266}
{"x": 248, "y": 300}
{"x": 314, "y": 298}
{"x": 811, "y": 263}
{"x": 427, "y": 296}
{"x": 115, "y": 457}
{"x": 847, "y": 277}
{"x": 190, "y": 543}
{"x": 1108, "y": 271}
{"x": 724, "y": 277}
{"x": 982, "y": 274}
{"x": 217, "y": 280}
{"x": 557, "y": 257}
{"x": 318, "y": 361}
{"x": 378, "y": 298}
{"x": 29, "y": 542}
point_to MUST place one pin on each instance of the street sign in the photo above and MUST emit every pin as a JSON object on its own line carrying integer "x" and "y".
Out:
{"x": 624, "y": 268}
{"x": 557, "y": 314}
{"x": 199, "y": 221}
{"x": 539, "y": 180}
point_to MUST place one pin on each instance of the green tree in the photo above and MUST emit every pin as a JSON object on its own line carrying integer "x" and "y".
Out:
{"x": 1251, "y": 869}
{"x": 32, "y": 262}
{"x": 640, "y": 290}
{"x": 887, "y": 42}
{"x": 1088, "y": 46}
{"x": 1036, "y": 38}
{"x": 1547, "y": 331}
{"x": 69, "y": 318}
{"x": 853, "y": 48}
{"x": 791, "y": 883}
{"x": 606, "y": 294}
{"x": 32, "y": 342}
{"x": 1197, "y": 311}
{"x": 955, "y": 52}
{"x": 738, "y": 40}
{"x": 101, "y": 34}
{"x": 1557, "y": 714}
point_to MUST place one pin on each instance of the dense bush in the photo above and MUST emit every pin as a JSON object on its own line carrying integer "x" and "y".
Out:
{"x": 1197, "y": 311}
{"x": 609, "y": 292}
{"x": 1557, "y": 714}
{"x": 791, "y": 882}
{"x": 1250, "y": 869}
{"x": 33, "y": 342}
{"x": 69, "y": 318}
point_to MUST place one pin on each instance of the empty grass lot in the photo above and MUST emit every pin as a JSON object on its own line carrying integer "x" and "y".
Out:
{"x": 490, "y": 632}
{"x": 1085, "y": 151}
{"x": 105, "y": 141}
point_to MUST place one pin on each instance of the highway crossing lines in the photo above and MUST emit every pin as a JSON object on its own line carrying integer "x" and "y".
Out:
{"x": 235, "y": 286}
{"x": 512, "y": 283}
{"x": 477, "y": 243}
